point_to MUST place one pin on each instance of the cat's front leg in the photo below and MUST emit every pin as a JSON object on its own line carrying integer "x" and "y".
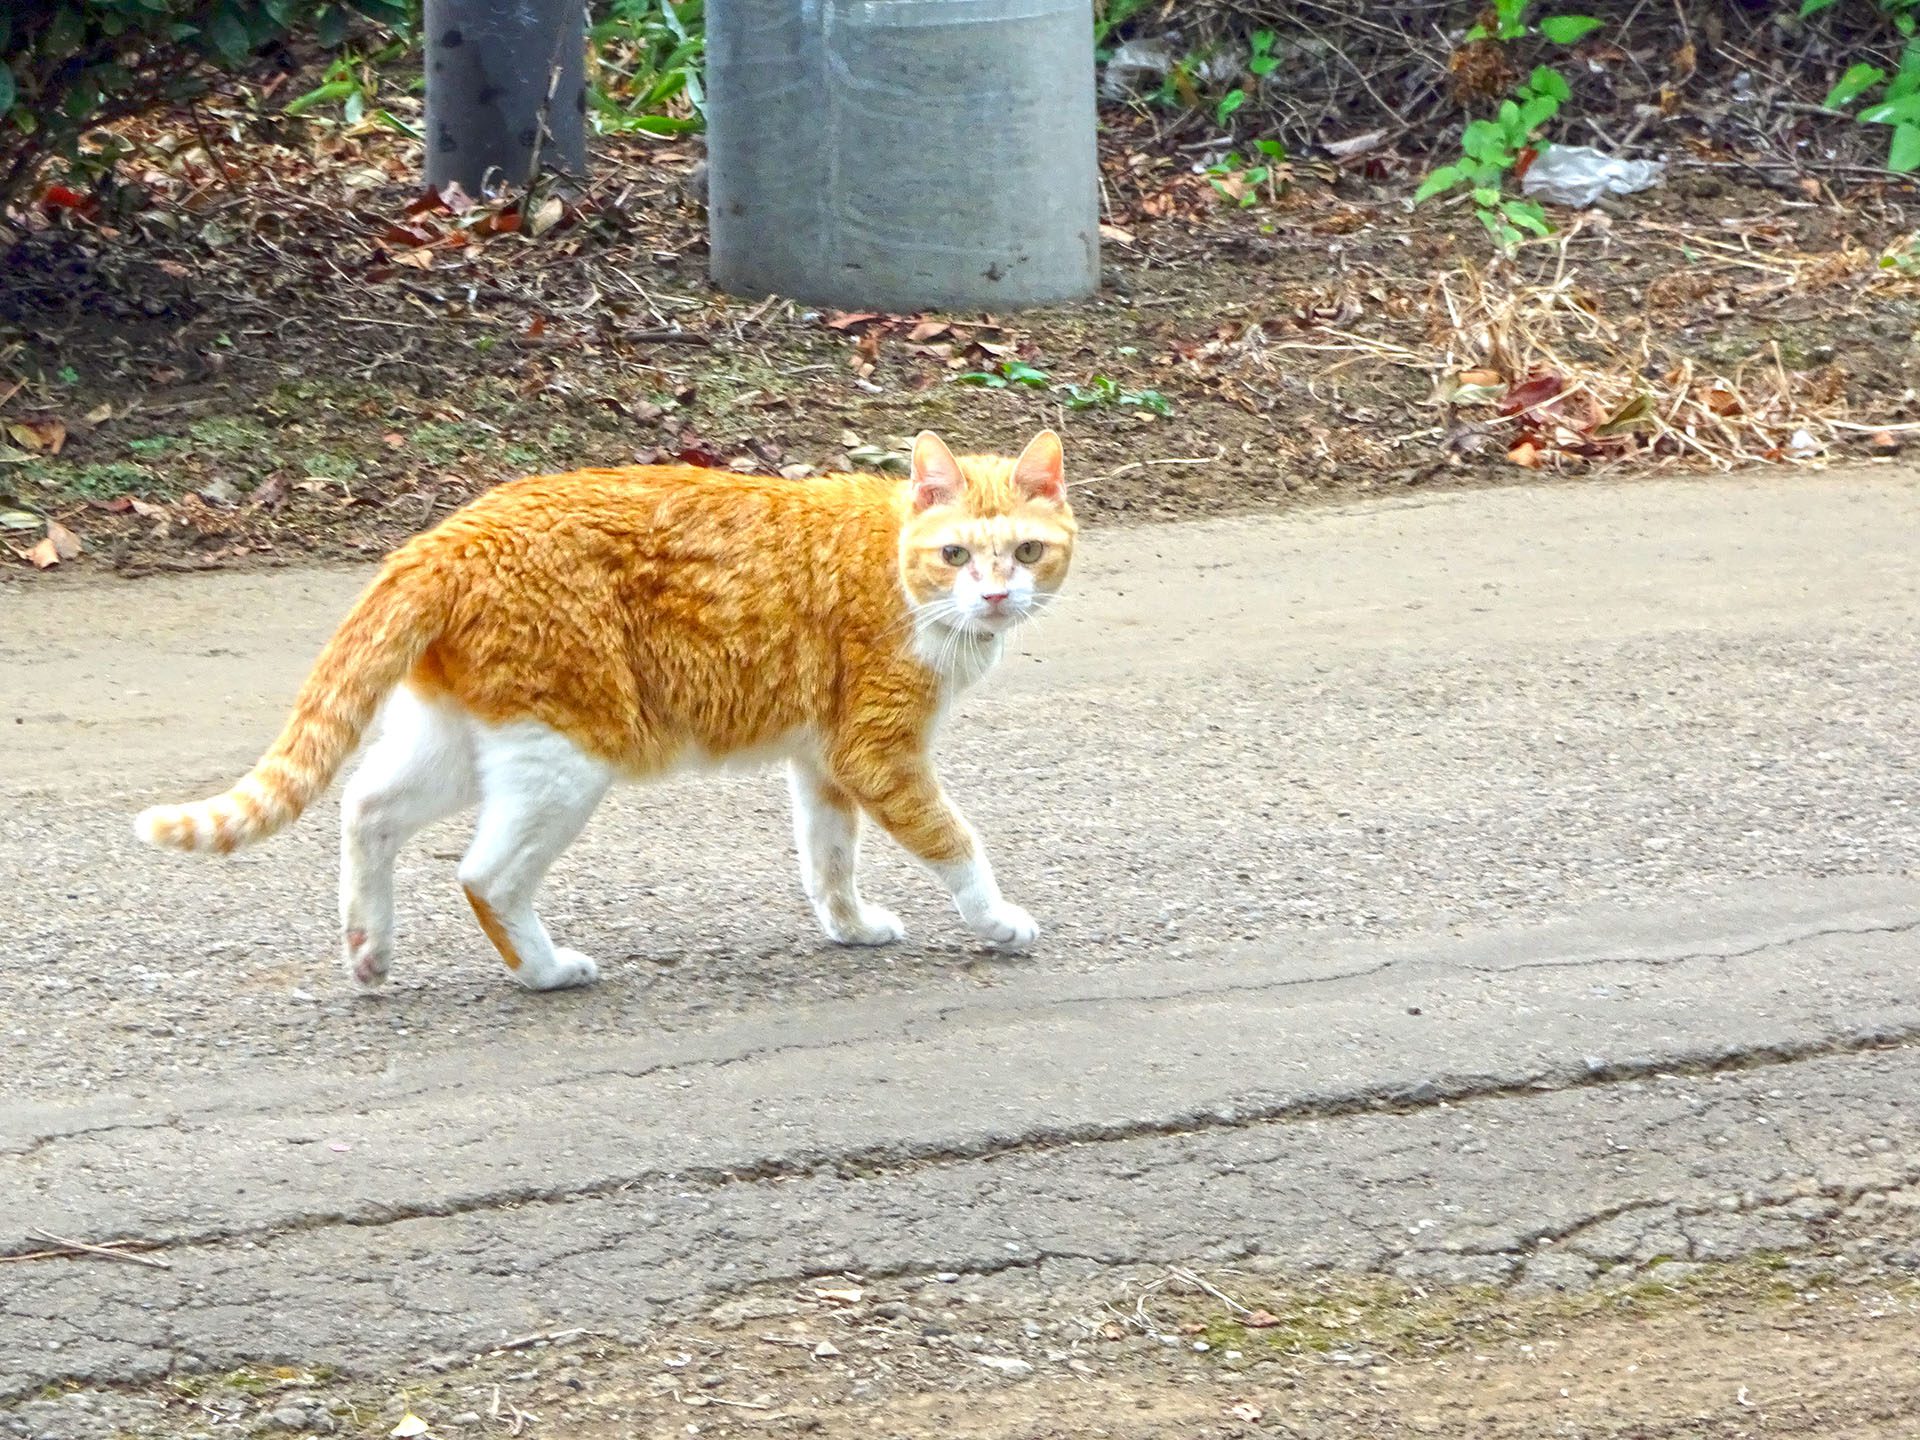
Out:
{"x": 826, "y": 828}
{"x": 907, "y": 801}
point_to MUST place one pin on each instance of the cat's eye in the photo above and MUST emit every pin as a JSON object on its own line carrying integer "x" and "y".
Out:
{"x": 1029, "y": 551}
{"x": 956, "y": 555}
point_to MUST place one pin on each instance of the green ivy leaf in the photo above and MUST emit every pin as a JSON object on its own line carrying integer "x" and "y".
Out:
{"x": 1858, "y": 78}
{"x": 65, "y": 32}
{"x": 1905, "y": 110}
{"x": 1903, "y": 154}
{"x": 1549, "y": 82}
{"x": 1528, "y": 215}
{"x": 1445, "y": 178}
{"x": 7, "y": 89}
{"x": 229, "y": 36}
{"x": 1565, "y": 29}
{"x": 1536, "y": 112}
{"x": 1810, "y": 7}
{"x": 1484, "y": 140}
{"x": 330, "y": 28}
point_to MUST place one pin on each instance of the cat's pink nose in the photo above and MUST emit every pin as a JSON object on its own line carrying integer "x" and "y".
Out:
{"x": 996, "y": 599}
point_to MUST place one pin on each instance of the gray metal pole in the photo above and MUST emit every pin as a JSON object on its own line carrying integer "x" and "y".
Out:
{"x": 903, "y": 154}
{"x": 499, "y": 74}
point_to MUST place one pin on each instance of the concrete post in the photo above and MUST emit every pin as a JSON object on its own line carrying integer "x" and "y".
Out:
{"x": 903, "y": 154}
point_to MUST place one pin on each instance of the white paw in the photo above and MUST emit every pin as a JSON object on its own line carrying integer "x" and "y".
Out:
{"x": 569, "y": 970}
{"x": 873, "y": 925}
{"x": 1007, "y": 927}
{"x": 367, "y": 958}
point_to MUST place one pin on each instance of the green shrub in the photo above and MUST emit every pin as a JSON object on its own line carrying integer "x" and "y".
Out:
{"x": 67, "y": 65}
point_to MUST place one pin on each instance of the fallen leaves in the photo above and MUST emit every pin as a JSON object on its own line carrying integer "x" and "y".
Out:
{"x": 59, "y": 544}
{"x": 44, "y": 436}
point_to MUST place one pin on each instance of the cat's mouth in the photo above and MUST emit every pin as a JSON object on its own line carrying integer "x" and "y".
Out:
{"x": 996, "y": 621}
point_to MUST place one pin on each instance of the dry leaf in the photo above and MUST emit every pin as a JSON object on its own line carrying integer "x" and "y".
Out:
{"x": 410, "y": 1425}
{"x": 1525, "y": 455}
{"x": 547, "y": 216}
{"x": 100, "y": 413}
{"x": 65, "y": 543}
{"x": 45, "y": 436}
{"x": 44, "y": 556}
{"x": 417, "y": 259}
{"x": 1260, "y": 1320}
{"x": 1116, "y": 234}
{"x": 848, "y": 1296}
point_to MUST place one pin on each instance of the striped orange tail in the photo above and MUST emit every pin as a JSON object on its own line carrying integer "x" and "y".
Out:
{"x": 376, "y": 645}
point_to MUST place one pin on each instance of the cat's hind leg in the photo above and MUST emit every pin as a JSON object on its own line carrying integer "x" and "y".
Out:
{"x": 537, "y": 790}
{"x": 826, "y": 826}
{"x": 419, "y": 769}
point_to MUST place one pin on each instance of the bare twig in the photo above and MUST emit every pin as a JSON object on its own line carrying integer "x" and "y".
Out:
{"x": 112, "y": 1250}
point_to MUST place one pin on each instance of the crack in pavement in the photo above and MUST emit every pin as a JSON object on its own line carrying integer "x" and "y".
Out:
{"x": 1906, "y": 927}
{"x": 886, "y": 1160}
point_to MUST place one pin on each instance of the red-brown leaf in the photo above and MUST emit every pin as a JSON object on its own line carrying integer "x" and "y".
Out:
{"x": 1534, "y": 390}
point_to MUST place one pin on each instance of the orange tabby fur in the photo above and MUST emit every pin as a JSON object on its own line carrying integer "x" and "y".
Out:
{"x": 663, "y": 615}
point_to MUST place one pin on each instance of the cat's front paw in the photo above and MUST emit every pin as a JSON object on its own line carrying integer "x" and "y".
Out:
{"x": 568, "y": 970}
{"x": 870, "y": 925}
{"x": 1007, "y": 927}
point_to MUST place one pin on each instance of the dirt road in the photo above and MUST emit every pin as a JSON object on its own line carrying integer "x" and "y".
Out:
{"x": 1508, "y": 889}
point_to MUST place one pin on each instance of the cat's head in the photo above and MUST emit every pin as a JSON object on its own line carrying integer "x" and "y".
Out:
{"x": 987, "y": 540}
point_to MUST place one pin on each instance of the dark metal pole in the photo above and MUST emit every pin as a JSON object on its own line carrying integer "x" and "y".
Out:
{"x": 506, "y": 83}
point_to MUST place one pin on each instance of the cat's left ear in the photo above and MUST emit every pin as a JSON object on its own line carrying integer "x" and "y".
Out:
{"x": 1041, "y": 471}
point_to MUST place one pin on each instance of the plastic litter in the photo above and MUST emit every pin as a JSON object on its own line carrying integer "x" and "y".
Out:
{"x": 1134, "y": 68}
{"x": 1578, "y": 175}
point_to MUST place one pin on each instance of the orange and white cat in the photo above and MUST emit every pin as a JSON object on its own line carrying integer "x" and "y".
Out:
{"x": 565, "y": 631}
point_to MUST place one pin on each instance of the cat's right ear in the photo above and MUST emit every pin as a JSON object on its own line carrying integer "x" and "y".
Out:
{"x": 937, "y": 477}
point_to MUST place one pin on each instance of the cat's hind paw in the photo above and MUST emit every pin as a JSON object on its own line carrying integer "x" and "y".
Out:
{"x": 367, "y": 958}
{"x": 1007, "y": 927}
